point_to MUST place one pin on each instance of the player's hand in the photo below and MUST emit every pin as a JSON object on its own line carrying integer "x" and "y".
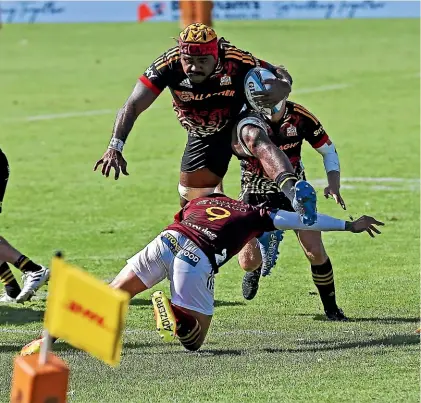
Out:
{"x": 279, "y": 89}
{"x": 365, "y": 223}
{"x": 112, "y": 159}
{"x": 335, "y": 194}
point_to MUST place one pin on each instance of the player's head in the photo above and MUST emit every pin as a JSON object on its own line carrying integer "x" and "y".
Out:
{"x": 199, "y": 51}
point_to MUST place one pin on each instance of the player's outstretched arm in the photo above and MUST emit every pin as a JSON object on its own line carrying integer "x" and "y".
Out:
{"x": 285, "y": 220}
{"x": 140, "y": 99}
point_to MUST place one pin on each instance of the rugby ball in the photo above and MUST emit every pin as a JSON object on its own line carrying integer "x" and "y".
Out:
{"x": 254, "y": 81}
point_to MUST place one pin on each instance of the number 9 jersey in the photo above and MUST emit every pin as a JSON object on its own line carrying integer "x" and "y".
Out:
{"x": 221, "y": 226}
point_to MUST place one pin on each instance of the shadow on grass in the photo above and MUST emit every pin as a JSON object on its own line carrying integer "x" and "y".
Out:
{"x": 397, "y": 340}
{"x": 217, "y": 303}
{"x": 378, "y": 320}
{"x": 10, "y": 315}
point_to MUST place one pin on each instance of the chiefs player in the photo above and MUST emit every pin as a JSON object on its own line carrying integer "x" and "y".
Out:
{"x": 206, "y": 78}
{"x": 287, "y": 129}
{"x": 205, "y": 234}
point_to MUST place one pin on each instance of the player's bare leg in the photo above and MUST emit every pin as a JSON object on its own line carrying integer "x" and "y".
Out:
{"x": 250, "y": 260}
{"x": 322, "y": 272}
{"x": 201, "y": 182}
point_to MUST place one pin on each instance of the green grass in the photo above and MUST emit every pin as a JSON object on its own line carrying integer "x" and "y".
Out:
{"x": 277, "y": 347}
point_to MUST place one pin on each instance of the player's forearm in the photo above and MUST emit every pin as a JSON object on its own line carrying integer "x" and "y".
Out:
{"x": 286, "y": 220}
{"x": 126, "y": 117}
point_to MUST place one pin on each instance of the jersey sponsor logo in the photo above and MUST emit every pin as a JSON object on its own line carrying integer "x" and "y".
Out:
{"x": 289, "y": 146}
{"x": 178, "y": 251}
{"x": 186, "y": 83}
{"x": 211, "y": 235}
{"x": 291, "y": 131}
{"x": 150, "y": 74}
{"x": 226, "y": 80}
{"x": 187, "y": 96}
{"x": 319, "y": 130}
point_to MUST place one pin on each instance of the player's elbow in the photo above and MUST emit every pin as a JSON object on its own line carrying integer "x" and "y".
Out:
{"x": 255, "y": 140}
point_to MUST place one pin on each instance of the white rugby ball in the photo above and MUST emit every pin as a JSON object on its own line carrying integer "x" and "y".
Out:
{"x": 254, "y": 81}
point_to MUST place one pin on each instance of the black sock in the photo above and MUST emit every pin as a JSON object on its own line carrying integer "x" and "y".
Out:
{"x": 25, "y": 264}
{"x": 8, "y": 279}
{"x": 323, "y": 279}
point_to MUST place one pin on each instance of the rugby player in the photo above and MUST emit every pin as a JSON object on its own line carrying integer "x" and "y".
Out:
{"x": 205, "y": 235}
{"x": 287, "y": 129}
{"x": 33, "y": 275}
{"x": 206, "y": 78}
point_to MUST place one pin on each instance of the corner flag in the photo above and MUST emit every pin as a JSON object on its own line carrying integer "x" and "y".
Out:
{"x": 85, "y": 312}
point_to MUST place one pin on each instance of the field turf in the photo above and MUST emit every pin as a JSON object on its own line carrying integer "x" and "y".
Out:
{"x": 60, "y": 87}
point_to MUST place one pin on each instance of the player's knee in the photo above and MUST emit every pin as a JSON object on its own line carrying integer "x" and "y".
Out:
{"x": 316, "y": 253}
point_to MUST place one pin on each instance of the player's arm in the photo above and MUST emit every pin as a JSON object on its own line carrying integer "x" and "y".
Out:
{"x": 251, "y": 139}
{"x": 286, "y": 220}
{"x": 316, "y": 135}
{"x": 145, "y": 92}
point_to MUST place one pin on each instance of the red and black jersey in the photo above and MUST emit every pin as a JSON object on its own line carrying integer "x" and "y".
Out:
{"x": 297, "y": 124}
{"x": 221, "y": 226}
{"x": 206, "y": 108}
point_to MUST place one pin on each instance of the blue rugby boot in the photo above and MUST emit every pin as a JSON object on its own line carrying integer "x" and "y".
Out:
{"x": 304, "y": 202}
{"x": 269, "y": 244}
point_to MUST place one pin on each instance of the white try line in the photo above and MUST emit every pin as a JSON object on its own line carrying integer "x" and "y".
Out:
{"x": 76, "y": 114}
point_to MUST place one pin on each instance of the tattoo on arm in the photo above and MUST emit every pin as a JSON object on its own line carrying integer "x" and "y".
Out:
{"x": 139, "y": 100}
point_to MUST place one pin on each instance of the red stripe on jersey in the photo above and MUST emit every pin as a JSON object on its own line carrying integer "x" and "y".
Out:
{"x": 152, "y": 87}
{"x": 322, "y": 141}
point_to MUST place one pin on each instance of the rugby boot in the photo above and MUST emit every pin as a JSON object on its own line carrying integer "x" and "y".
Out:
{"x": 34, "y": 347}
{"x": 269, "y": 244}
{"x": 32, "y": 281}
{"x": 304, "y": 202}
{"x": 251, "y": 283}
{"x": 164, "y": 316}
{"x": 336, "y": 315}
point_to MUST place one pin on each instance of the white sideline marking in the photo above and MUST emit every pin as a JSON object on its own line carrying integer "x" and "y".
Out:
{"x": 66, "y": 115}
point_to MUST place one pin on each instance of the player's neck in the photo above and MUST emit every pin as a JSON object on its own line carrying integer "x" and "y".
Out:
{"x": 276, "y": 117}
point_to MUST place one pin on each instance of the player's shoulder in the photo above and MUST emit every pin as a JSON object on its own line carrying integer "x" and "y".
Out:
{"x": 230, "y": 52}
{"x": 168, "y": 58}
{"x": 295, "y": 108}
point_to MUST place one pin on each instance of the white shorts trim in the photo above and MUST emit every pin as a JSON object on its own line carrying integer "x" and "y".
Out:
{"x": 173, "y": 256}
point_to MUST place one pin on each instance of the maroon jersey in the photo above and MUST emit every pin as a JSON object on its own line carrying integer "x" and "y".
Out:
{"x": 297, "y": 125}
{"x": 221, "y": 226}
{"x": 206, "y": 108}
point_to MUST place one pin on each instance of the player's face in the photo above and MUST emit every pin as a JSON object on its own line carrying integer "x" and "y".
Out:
{"x": 198, "y": 68}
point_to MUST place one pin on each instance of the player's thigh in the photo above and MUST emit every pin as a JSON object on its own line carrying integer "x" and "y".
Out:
{"x": 192, "y": 280}
{"x": 312, "y": 244}
{"x": 145, "y": 269}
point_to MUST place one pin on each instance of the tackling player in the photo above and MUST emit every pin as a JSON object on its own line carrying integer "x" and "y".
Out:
{"x": 205, "y": 234}
{"x": 206, "y": 78}
{"x": 287, "y": 129}
{"x": 34, "y": 275}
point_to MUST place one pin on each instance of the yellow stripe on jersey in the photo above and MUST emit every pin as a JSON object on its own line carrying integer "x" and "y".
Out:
{"x": 247, "y": 61}
{"x": 238, "y": 53}
{"x": 167, "y": 62}
{"x": 301, "y": 109}
{"x": 168, "y": 55}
